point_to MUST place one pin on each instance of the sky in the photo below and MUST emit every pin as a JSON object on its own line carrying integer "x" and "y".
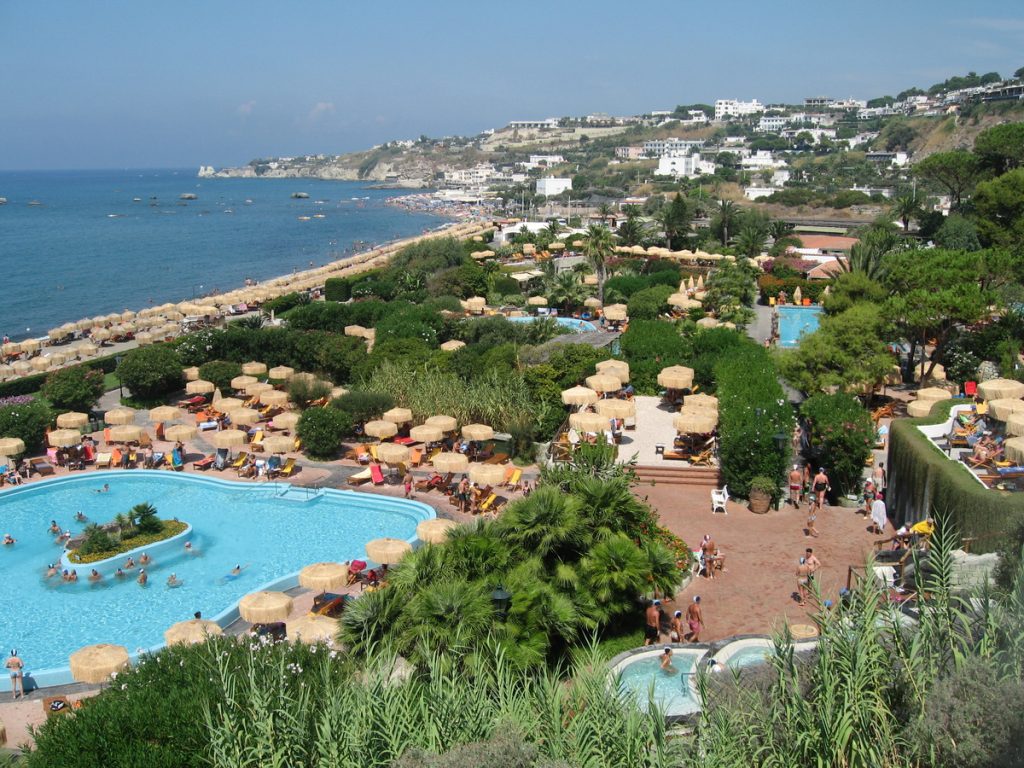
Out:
{"x": 110, "y": 84}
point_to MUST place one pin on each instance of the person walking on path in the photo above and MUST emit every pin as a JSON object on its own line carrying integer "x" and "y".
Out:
{"x": 16, "y": 667}
{"x": 796, "y": 484}
{"x": 879, "y": 516}
{"x": 694, "y": 620}
{"x": 652, "y": 623}
{"x": 819, "y": 488}
{"x": 803, "y": 581}
{"x": 878, "y": 477}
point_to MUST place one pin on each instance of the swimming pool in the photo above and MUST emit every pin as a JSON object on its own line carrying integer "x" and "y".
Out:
{"x": 574, "y": 325}
{"x": 794, "y": 322}
{"x": 674, "y": 692}
{"x": 274, "y": 529}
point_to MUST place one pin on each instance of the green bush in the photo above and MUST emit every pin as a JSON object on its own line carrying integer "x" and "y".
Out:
{"x": 145, "y": 519}
{"x": 96, "y": 542}
{"x": 649, "y": 303}
{"x": 337, "y": 289}
{"x": 364, "y": 406}
{"x": 322, "y": 430}
{"x": 284, "y": 303}
{"x": 29, "y": 421}
{"x": 649, "y": 346}
{"x": 75, "y": 388}
{"x": 220, "y": 373}
{"x": 840, "y": 434}
{"x": 168, "y": 528}
{"x": 303, "y": 392}
{"x": 769, "y": 286}
{"x": 151, "y": 373}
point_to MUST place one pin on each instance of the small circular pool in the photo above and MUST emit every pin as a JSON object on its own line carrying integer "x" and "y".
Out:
{"x": 573, "y": 324}
{"x": 272, "y": 529}
{"x": 674, "y": 690}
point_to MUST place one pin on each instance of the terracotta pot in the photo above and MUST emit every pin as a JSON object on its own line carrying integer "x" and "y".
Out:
{"x": 760, "y": 502}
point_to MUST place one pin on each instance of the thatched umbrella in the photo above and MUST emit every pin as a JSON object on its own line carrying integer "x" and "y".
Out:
{"x": 119, "y": 416}
{"x": 933, "y": 393}
{"x": 1003, "y": 407}
{"x": 244, "y": 416}
{"x": 611, "y": 364}
{"x": 164, "y": 413}
{"x": 96, "y": 663}
{"x": 225, "y": 404}
{"x": 450, "y": 462}
{"x": 487, "y": 474}
{"x": 180, "y": 432}
{"x": 700, "y": 400}
{"x": 312, "y": 629}
{"x": 61, "y": 438}
{"x": 537, "y": 301}
{"x": 286, "y": 420}
{"x": 252, "y": 390}
{"x": 699, "y": 422}
{"x": 398, "y": 416}
{"x": 241, "y": 382}
{"x": 920, "y": 408}
{"x": 125, "y": 433}
{"x": 616, "y": 312}
{"x": 200, "y": 387}
{"x": 426, "y": 433}
{"x": 445, "y": 423}
{"x": 192, "y": 632}
{"x": 392, "y": 453}
{"x": 380, "y": 429}
{"x": 1014, "y": 425}
{"x": 579, "y": 396}
{"x": 324, "y": 576}
{"x": 603, "y": 382}
{"x": 274, "y": 397}
{"x": 453, "y": 345}
{"x": 387, "y": 551}
{"x": 589, "y": 422}
{"x": 708, "y": 322}
{"x": 476, "y": 303}
{"x": 13, "y": 446}
{"x": 263, "y": 607}
{"x": 254, "y": 369}
{"x": 997, "y": 389}
{"x": 477, "y": 432}
{"x": 435, "y": 530}
{"x": 355, "y": 331}
{"x": 229, "y": 438}
{"x": 1014, "y": 448}
{"x": 280, "y": 372}
{"x": 676, "y": 377}
{"x": 278, "y": 443}
{"x": 616, "y": 409}
{"x": 593, "y": 302}
{"x": 191, "y": 373}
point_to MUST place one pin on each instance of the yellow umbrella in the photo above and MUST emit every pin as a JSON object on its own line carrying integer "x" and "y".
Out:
{"x": 602, "y": 382}
{"x": 477, "y": 432}
{"x": 229, "y": 438}
{"x": 264, "y": 607}
{"x": 254, "y": 369}
{"x": 313, "y": 629}
{"x": 60, "y": 438}
{"x": 450, "y": 462}
{"x": 676, "y": 377}
{"x": 699, "y": 422}
{"x": 380, "y": 429}
{"x": 286, "y": 420}
{"x": 579, "y": 396}
{"x": 278, "y": 443}
{"x": 164, "y": 413}
{"x": 452, "y": 345}
{"x": 241, "y": 382}
{"x": 280, "y": 373}
{"x": 324, "y": 576}
{"x": 700, "y": 400}
{"x": 487, "y": 474}
{"x": 435, "y": 530}
{"x": 387, "y": 551}
{"x": 997, "y": 389}
{"x": 124, "y": 433}
{"x": 192, "y": 632}
{"x": 616, "y": 409}
{"x": 444, "y": 423}
{"x": 226, "y": 404}
{"x": 274, "y": 397}
{"x": 199, "y": 387}
{"x": 392, "y": 453}
{"x": 13, "y": 446}
{"x": 180, "y": 432}
{"x": 96, "y": 663}
{"x": 246, "y": 416}
{"x": 1002, "y": 408}
{"x": 589, "y": 422}
{"x": 398, "y": 416}
{"x": 426, "y": 433}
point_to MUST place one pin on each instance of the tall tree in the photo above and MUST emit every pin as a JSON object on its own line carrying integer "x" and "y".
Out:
{"x": 866, "y": 256}
{"x": 906, "y": 208}
{"x": 598, "y": 247}
{"x": 675, "y": 218}
{"x": 1001, "y": 147}
{"x": 631, "y": 231}
{"x": 725, "y": 219}
{"x": 999, "y": 205}
{"x": 956, "y": 172}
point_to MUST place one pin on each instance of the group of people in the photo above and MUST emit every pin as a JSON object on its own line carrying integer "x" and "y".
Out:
{"x": 681, "y": 626}
{"x": 802, "y": 486}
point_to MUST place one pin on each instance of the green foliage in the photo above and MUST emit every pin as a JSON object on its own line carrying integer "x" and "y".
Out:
{"x": 130, "y": 539}
{"x": 151, "y": 373}
{"x": 770, "y": 286}
{"x": 337, "y": 289}
{"x": 322, "y": 430}
{"x": 954, "y": 172}
{"x": 28, "y": 421}
{"x": 709, "y": 346}
{"x": 406, "y": 321}
{"x": 675, "y": 218}
{"x": 363, "y": 406}
{"x": 1001, "y": 147}
{"x": 284, "y": 303}
{"x": 730, "y": 291}
{"x": 999, "y": 206}
{"x": 220, "y": 373}
{"x": 649, "y": 303}
{"x": 75, "y": 388}
{"x": 850, "y": 288}
{"x": 840, "y": 437}
{"x": 649, "y": 346}
{"x": 96, "y": 541}
{"x": 144, "y": 518}
{"x": 303, "y": 392}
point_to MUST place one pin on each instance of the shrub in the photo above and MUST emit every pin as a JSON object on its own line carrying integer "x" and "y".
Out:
{"x": 770, "y": 286}
{"x": 29, "y": 421}
{"x": 220, "y": 373}
{"x": 649, "y": 346}
{"x": 150, "y": 373}
{"x": 337, "y": 289}
{"x": 649, "y": 303}
{"x": 322, "y": 430}
{"x": 285, "y": 303}
{"x": 840, "y": 434}
{"x": 76, "y": 388}
{"x": 96, "y": 541}
{"x": 364, "y": 406}
{"x": 144, "y": 518}
{"x": 303, "y": 392}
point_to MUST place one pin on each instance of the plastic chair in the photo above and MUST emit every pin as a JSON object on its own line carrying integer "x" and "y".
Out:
{"x": 719, "y": 498}
{"x": 970, "y": 388}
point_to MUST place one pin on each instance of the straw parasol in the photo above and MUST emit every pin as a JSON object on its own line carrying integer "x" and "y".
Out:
{"x": 426, "y": 433}
{"x": 313, "y": 629}
{"x": 96, "y": 663}
{"x": 698, "y": 422}
{"x": 933, "y": 393}
{"x": 274, "y": 397}
{"x": 281, "y": 372}
{"x": 164, "y": 413}
{"x": 324, "y": 576}
{"x": 616, "y": 409}
{"x": 616, "y": 312}
{"x": 579, "y": 396}
{"x": 676, "y": 377}
{"x": 286, "y": 420}
{"x": 229, "y": 438}
{"x": 918, "y": 408}
{"x": 380, "y": 429}
{"x": 537, "y": 301}
{"x": 226, "y": 404}
{"x": 278, "y": 443}
{"x": 1014, "y": 425}
{"x": 398, "y": 416}
{"x": 589, "y": 422}
{"x": 604, "y": 382}
{"x": 435, "y": 530}
{"x": 477, "y": 432}
{"x": 60, "y": 438}
{"x": 192, "y": 632}
{"x": 263, "y": 607}
{"x": 444, "y": 423}
{"x": 487, "y": 474}
{"x": 72, "y": 420}
{"x": 1002, "y": 408}
{"x": 355, "y": 331}
{"x": 246, "y": 416}
{"x": 191, "y": 373}
{"x": 450, "y": 462}
{"x": 1014, "y": 448}
{"x": 453, "y": 345}
{"x": 119, "y": 416}
{"x": 997, "y": 389}
{"x": 392, "y": 453}
{"x": 200, "y": 387}
{"x": 180, "y": 432}
{"x": 125, "y": 433}
{"x": 700, "y": 400}
{"x": 13, "y": 446}
{"x": 593, "y": 302}
{"x": 613, "y": 366}
{"x": 241, "y": 382}
{"x": 387, "y": 551}
{"x": 254, "y": 369}
{"x": 258, "y": 388}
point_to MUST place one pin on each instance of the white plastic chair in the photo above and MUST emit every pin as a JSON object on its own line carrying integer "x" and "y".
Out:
{"x": 719, "y": 498}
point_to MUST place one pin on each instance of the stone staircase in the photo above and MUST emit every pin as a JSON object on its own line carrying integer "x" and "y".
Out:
{"x": 674, "y": 474}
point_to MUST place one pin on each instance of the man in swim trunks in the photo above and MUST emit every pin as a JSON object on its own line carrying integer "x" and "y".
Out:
{"x": 652, "y": 622}
{"x": 694, "y": 620}
{"x": 143, "y": 577}
{"x": 803, "y": 581}
{"x": 796, "y": 484}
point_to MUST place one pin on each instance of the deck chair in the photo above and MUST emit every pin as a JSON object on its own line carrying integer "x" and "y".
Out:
{"x": 297, "y": 445}
{"x": 177, "y": 461}
{"x": 160, "y": 431}
{"x": 42, "y": 466}
{"x": 513, "y": 476}
{"x": 429, "y": 484}
{"x": 158, "y": 460}
{"x": 719, "y": 498}
{"x": 274, "y": 466}
{"x": 970, "y": 388}
{"x": 487, "y": 504}
{"x": 497, "y": 458}
{"x": 103, "y": 460}
{"x": 288, "y": 469}
{"x": 416, "y": 457}
{"x": 257, "y": 441}
{"x": 376, "y": 474}
{"x": 106, "y": 435}
{"x": 221, "y": 460}
{"x": 373, "y": 452}
{"x": 204, "y": 463}
{"x": 145, "y": 441}
{"x": 702, "y": 459}
{"x": 239, "y": 461}
{"x": 359, "y": 477}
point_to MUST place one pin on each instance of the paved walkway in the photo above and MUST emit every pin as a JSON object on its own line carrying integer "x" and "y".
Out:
{"x": 653, "y": 428}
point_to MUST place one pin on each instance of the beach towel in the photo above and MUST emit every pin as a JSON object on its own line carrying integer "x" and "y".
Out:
{"x": 376, "y": 474}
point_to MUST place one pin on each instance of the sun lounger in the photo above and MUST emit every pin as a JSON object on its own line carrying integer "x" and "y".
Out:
{"x": 158, "y": 460}
{"x": 221, "y": 461}
{"x": 42, "y": 466}
{"x": 177, "y": 461}
{"x": 486, "y": 504}
{"x": 514, "y": 479}
{"x": 376, "y": 474}
{"x": 274, "y": 466}
{"x": 416, "y": 457}
{"x": 257, "y": 441}
{"x": 497, "y": 458}
{"x": 240, "y": 460}
{"x": 360, "y": 477}
{"x": 103, "y": 460}
{"x": 289, "y": 468}
{"x": 205, "y": 463}
{"x": 330, "y": 604}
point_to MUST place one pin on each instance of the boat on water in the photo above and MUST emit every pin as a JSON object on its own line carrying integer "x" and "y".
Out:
{"x": 34, "y": 202}
{"x": 319, "y": 216}
{"x": 136, "y": 199}
{"x": 188, "y": 196}
{"x": 300, "y": 195}
{"x": 3, "y": 201}
{"x": 304, "y": 218}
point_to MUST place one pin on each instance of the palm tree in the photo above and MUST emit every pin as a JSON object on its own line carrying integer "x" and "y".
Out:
{"x": 631, "y": 231}
{"x": 546, "y": 523}
{"x": 615, "y": 570}
{"x": 778, "y": 229}
{"x": 905, "y": 208}
{"x": 867, "y": 256}
{"x": 448, "y": 614}
{"x": 554, "y": 228}
{"x": 726, "y": 216}
{"x": 750, "y": 241}
{"x": 598, "y": 247}
{"x": 567, "y": 290}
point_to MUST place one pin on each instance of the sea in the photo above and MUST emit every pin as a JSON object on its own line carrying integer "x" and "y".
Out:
{"x": 77, "y": 244}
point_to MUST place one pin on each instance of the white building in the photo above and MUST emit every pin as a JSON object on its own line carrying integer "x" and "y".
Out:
{"x": 726, "y": 108}
{"x": 470, "y": 177}
{"x": 761, "y": 160}
{"x": 772, "y": 123}
{"x": 551, "y": 122}
{"x": 687, "y": 166}
{"x": 671, "y": 146}
{"x": 755, "y": 193}
{"x": 850, "y": 103}
{"x": 630, "y": 153}
{"x": 551, "y": 186}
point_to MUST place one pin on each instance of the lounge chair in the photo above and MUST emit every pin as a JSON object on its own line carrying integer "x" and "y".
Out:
{"x": 42, "y": 466}
{"x": 359, "y": 478}
{"x": 221, "y": 460}
{"x": 703, "y": 459}
{"x": 431, "y": 483}
{"x": 373, "y": 452}
{"x": 204, "y": 463}
{"x": 177, "y": 461}
{"x": 514, "y": 479}
{"x": 297, "y": 445}
{"x": 415, "y": 457}
{"x": 274, "y": 466}
{"x": 158, "y": 460}
{"x": 145, "y": 441}
{"x": 288, "y": 469}
{"x": 497, "y": 458}
{"x": 330, "y": 604}
{"x": 103, "y": 461}
{"x": 116, "y": 457}
{"x": 239, "y": 461}
{"x": 487, "y": 504}
{"x": 376, "y": 474}
{"x": 256, "y": 443}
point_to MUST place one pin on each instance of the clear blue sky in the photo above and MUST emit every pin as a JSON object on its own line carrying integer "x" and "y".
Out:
{"x": 105, "y": 84}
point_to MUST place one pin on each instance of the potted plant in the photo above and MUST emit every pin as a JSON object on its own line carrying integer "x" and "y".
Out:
{"x": 762, "y": 490}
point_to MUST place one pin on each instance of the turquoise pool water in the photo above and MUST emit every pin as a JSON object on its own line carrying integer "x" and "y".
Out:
{"x": 671, "y": 691}
{"x": 794, "y": 322}
{"x": 749, "y": 656}
{"x": 273, "y": 529}
{"x": 574, "y": 325}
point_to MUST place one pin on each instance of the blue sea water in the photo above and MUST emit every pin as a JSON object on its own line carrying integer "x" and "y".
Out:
{"x": 89, "y": 248}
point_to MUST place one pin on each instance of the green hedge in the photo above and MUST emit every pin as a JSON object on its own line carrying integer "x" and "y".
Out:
{"x": 922, "y": 479}
{"x": 28, "y": 385}
{"x": 769, "y": 286}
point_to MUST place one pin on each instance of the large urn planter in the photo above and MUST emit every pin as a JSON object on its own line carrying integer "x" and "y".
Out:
{"x": 760, "y": 495}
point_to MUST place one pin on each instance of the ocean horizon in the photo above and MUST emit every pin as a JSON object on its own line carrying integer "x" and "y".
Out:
{"x": 81, "y": 243}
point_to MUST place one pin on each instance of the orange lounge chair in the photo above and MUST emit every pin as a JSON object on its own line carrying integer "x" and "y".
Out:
{"x": 376, "y": 475}
{"x": 513, "y": 478}
{"x": 415, "y": 457}
{"x": 205, "y": 463}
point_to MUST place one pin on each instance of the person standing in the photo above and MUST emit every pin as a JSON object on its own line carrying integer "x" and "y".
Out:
{"x": 694, "y": 620}
{"x": 708, "y": 555}
{"x": 878, "y": 477}
{"x": 16, "y": 667}
{"x": 796, "y": 484}
{"x": 407, "y": 482}
{"x": 879, "y": 516}
{"x": 803, "y": 581}
{"x": 652, "y": 623}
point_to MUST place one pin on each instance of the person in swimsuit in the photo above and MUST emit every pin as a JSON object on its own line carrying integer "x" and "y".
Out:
{"x": 54, "y": 528}
{"x": 796, "y": 484}
{"x": 129, "y": 563}
{"x": 407, "y": 482}
{"x": 16, "y": 667}
{"x": 144, "y": 559}
{"x": 666, "y": 662}
{"x": 708, "y": 553}
{"x": 119, "y": 574}
{"x": 676, "y": 627}
{"x": 95, "y": 576}
{"x": 9, "y": 540}
{"x": 803, "y": 581}
{"x": 80, "y": 516}
{"x": 143, "y": 577}
{"x": 74, "y": 576}
{"x": 174, "y": 581}
{"x": 694, "y": 620}
{"x": 51, "y": 571}
{"x": 652, "y": 622}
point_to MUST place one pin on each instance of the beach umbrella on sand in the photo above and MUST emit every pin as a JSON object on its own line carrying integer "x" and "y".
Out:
{"x": 579, "y": 396}
{"x": 40, "y": 363}
{"x": 380, "y": 429}
{"x": 1014, "y": 425}
{"x": 435, "y": 530}
{"x": 324, "y": 576}
{"x": 700, "y": 400}
{"x": 619, "y": 370}
{"x": 312, "y": 629}
{"x": 71, "y": 420}
{"x": 12, "y": 446}
{"x": 452, "y": 345}
{"x": 589, "y": 422}
{"x": 274, "y": 397}
{"x": 96, "y": 663}
{"x": 933, "y": 393}
{"x": 281, "y": 372}
{"x": 226, "y": 404}
{"x": 6, "y": 372}
{"x": 392, "y": 453}
{"x": 996, "y": 389}
{"x": 229, "y": 438}
{"x": 241, "y": 382}
{"x": 477, "y": 432}
{"x": 264, "y": 607}
{"x": 616, "y": 312}
{"x": 1015, "y": 449}
{"x": 450, "y": 462}
{"x": 444, "y": 423}
{"x": 918, "y": 408}
{"x": 246, "y": 416}
{"x": 616, "y": 409}
{"x": 164, "y": 413}
{"x": 200, "y": 387}
{"x": 285, "y": 420}
{"x": 699, "y": 422}
{"x": 125, "y": 433}
{"x": 62, "y": 438}
{"x": 180, "y": 433}
{"x": 1002, "y": 408}
{"x": 603, "y": 382}
{"x": 192, "y": 632}
{"x": 11, "y": 348}
{"x": 258, "y": 388}
{"x": 426, "y": 433}
{"x": 118, "y": 416}
{"x": 387, "y": 551}
{"x": 278, "y": 443}
{"x": 192, "y": 373}
{"x": 398, "y": 416}
{"x": 144, "y": 338}
{"x": 21, "y": 367}
{"x": 254, "y": 369}
{"x": 676, "y": 377}
{"x": 486, "y": 474}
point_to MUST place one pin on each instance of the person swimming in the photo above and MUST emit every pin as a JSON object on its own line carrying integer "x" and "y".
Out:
{"x": 235, "y": 572}
{"x": 9, "y": 540}
{"x": 54, "y": 528}
{"x": 119, "y": 573}
{"x": 51, "y": 570}
{"x": 174, "y": 581}
{"x": 666, "y": 662}
{"x": 80, "y": 516}
{"x": 104, "y": 489}
{"x": 144, "y": 559}
{"x": 143, "y": 577}
{"x": 129, "y": 563}
{"x": 74, "y": 576}
{"x": 95, "y": 576}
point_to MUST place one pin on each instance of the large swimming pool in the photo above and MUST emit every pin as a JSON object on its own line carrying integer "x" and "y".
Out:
{"x": 574, "y": 325}
{"x": 273, "y": 529}
{"x": 795, "y": 321}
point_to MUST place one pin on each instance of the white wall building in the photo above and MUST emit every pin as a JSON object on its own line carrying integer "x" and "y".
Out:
{"x": 772, "y": 123}
{"x": 670, "y": 146}
{"x": 755, "y": 193}
{"x": 726, "y": 108}
{"x": 536, "y": 160}
{"x": 551, "y": 186}
{"x": 551, "y": 122}
{"x": 760, "y": 161}
{"x": 630, "y": 153}
{"x": 475, "y": 176}
{"x": 687, "y": 166}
